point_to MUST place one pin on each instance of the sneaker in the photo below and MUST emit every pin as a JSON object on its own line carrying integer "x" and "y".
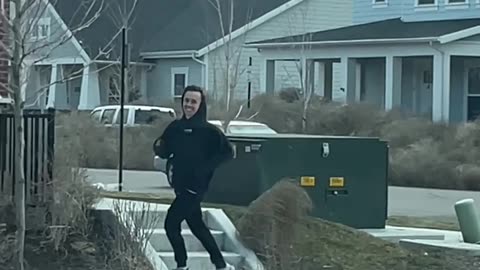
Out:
{"x": 181, "y": 268}
{"x": 228, "y": 267}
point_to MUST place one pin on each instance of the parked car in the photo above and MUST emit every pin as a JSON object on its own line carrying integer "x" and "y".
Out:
{"x": 236, "y": 127}
{"x": 135, "y": 115}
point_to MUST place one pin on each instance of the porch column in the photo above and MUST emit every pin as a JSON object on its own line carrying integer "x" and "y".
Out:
{"x": 269, "y": 82}
{"x": 34, "y": 94}
{"x": 447, "y": 58}
{"x": 393, "y": 82}
{"x": 328, "y": 80}
{"x": 143, "y": 85}
{"x": 437, "y": 87}
{"x": 52, "y": 91}
{"x": 90, "y": 89}
{"x": 350, "y": 81}
{"x": 57, "y": 96}
{"x": 310, "y": 67}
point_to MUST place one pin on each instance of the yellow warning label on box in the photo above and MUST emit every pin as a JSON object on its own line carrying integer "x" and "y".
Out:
{"x": 337, "y": 182}
{"x": 307, "y": 181}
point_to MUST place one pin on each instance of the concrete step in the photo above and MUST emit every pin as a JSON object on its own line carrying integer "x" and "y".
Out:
{"x": 160, "y": 241}
{"x": 395, "y": 234}
{"x": 156, "y": 219}
{"x": 458, "y": 247}
{"x": 201, "y": 260}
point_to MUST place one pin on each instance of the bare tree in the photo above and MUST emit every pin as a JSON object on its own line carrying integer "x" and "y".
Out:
{"x": 122, "y": 15}
{"x": 230, "y": 63}
{"x": 132, "y": 85}
{"x": 304, "y": 66}
{"x": 24, "y": 48}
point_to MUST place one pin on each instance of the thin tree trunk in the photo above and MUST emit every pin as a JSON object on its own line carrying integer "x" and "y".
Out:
{"x": 19, "y": 180}
{"x": 19, "y": 141}
{"x": 304, "y": 118}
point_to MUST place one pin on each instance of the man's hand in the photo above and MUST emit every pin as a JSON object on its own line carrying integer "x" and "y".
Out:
{"x": 160, "y": 149}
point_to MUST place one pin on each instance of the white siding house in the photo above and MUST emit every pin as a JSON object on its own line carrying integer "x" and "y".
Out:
{"x": 294, "y": 17}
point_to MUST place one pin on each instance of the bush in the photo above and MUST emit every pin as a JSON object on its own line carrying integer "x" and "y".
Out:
{"x": 269, "y": 226}
{"x": 98, "y": 146}
{"x": 422, "y": 164}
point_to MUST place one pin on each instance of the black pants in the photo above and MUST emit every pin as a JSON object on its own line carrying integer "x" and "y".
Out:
{"x": 186, "y": 206}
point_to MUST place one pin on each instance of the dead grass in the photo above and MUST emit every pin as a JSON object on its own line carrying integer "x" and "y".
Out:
{"x": 320, "y": 244}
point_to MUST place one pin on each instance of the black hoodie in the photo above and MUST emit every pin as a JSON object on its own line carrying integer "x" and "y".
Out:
{"x": 198, "y": 148}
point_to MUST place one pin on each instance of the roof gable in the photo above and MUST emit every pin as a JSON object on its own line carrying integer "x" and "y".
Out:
{"x": 158, "y": 25}
{"x": 391, "y": 29}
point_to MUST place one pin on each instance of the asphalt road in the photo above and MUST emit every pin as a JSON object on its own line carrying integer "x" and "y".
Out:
{"x": 402, "y": 201}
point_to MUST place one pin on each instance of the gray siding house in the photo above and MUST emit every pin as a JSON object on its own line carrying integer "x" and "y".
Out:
{"x": 421, "y": 56}
{"x": 173, "y": 44}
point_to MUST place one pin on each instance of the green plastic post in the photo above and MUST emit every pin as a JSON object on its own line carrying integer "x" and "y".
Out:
{"x": 469, "y": 221}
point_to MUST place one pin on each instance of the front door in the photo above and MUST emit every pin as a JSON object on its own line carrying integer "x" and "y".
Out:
{"x": 473, "y": 94}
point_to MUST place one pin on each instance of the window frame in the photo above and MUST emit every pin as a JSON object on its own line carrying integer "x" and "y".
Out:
{"x": 426, "y": 7}
{"x": 417, "y": 3}
{"x": 457, "y": 5}
{"x": 41, "y": 22}
{"x": 379, "y": 3}
{"x": 178, "y": 71}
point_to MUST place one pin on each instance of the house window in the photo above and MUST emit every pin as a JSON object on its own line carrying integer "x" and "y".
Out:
{"x": 379, "y": 3}
{"x": 426, "y": 5}
{"x": 179, "y": 80}
{"x": 426, "y": 2}
{"x": 41, "y": 29}
{"x": 456, "y": 4}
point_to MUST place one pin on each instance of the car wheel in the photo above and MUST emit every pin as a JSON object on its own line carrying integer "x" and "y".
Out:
{"x": 169, "y": 172}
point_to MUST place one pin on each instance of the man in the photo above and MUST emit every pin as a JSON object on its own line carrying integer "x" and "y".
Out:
{"x": 198, "y": 148}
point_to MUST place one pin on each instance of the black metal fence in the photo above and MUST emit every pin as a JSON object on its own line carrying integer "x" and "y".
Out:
{"x": 39, "y": 135}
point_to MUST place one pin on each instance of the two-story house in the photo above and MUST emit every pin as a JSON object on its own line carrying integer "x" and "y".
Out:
{"x": 420, "y": 55}
{"x": 171, "y": 44}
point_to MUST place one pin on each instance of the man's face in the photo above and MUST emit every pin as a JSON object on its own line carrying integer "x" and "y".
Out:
{"x": 191, "y": 103}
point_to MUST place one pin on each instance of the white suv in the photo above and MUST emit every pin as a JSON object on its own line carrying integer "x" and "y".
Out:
{"x": 135, "y": 115}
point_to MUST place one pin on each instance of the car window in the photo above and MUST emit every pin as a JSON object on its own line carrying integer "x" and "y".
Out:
{"x": 96, "y": 115}
{"x": 245, "y": 129}
{"x": 107, "y": 116}
{"x": 148, "y": 117}
{"x": 125, "y": 117}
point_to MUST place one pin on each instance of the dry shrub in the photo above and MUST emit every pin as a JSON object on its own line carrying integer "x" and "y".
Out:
{"x": 78, "y": 133}
{"x": 280, "y": 115}
{"x": 467, "y": 143}
{"x": 323, "y": 118}
{"x": 97, "y": 146}
{"x": 346, "y": 120}
{"x": 289, "y": 94}
{"x": 427, "y": 154}
{"x": 126, "y": 236}
{"x": 423, "y": 164}
{"x": 269, "y": 225}
{"x": 71, "y": 197}
{"x": 469, "y": 176}
{"x": 404, "y": 132}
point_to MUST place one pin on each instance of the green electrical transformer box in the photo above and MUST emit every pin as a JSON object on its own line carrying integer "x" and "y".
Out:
{"x": 345, "y": 177}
